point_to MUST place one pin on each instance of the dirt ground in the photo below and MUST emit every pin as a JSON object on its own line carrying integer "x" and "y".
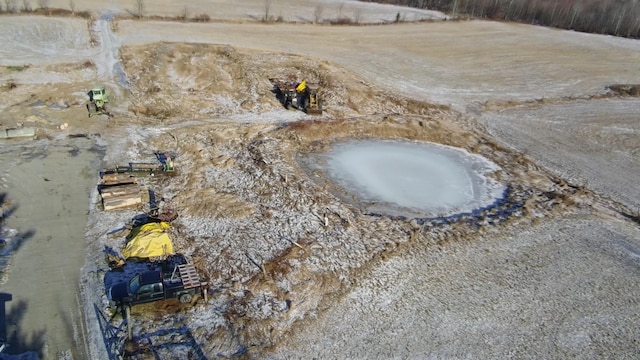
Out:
{"x": 295, "y": 272}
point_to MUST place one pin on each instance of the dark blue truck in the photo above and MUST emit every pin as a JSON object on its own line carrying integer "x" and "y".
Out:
{"x": 182, "y": 283}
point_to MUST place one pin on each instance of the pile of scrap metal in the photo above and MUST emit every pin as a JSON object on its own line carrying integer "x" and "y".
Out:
{"x": 164, "y": 210}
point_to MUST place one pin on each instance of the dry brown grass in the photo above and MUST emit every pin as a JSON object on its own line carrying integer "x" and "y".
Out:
{"x": 254, "y": 160}
{"x": 50, "y": 12}
{"x": 318, "y": 134}
{"x": 247, "y": 174}
{"x": 209, "y": 203}
{"x": 625, "y": 89}
{"x": 226, "y": 80}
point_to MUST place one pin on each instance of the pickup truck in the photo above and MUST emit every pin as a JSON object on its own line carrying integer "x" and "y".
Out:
{"x": 182, "y": 283}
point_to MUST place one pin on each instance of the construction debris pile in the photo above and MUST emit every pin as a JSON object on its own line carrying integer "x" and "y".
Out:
{"x": 119, "y": 186}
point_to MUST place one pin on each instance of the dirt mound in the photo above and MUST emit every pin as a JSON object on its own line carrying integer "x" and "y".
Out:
{"x": 170, "y": 80}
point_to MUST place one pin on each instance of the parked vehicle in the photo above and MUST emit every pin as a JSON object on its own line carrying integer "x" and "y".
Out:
{"x": 182, "y": 283}
{"x": 98, "y": 99}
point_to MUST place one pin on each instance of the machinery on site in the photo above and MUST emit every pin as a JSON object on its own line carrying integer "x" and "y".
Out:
{"x": 299, "y": 95}
{"x": 98, "y": 99}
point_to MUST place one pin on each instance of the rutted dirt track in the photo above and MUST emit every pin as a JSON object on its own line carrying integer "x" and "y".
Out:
{"x": 296, "y": 273}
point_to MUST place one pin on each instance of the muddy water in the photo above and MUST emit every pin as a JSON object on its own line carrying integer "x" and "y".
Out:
{"x": 47, "y": 183}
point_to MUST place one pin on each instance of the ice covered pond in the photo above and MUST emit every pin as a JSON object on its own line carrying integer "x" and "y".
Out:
{"x": 402, "y": 178}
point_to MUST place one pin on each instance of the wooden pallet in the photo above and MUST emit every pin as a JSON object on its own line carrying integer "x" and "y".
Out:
{"x": 189, "y": 276}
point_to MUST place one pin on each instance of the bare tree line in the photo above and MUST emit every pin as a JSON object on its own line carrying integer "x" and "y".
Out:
{"x": 613, "y": 17}
{"x": 12, "y": 6}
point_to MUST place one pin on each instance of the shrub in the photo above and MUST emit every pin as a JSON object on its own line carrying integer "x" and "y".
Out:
{"x": 342, "y": 20}
{"x": 201, "y": 18}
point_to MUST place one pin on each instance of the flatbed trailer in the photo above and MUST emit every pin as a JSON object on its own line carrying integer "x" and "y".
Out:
{"x": 165, "y": 165}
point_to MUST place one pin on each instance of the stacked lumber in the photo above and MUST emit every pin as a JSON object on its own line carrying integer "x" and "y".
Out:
{"x": 117, "y": 179}
{"x": 120, "y": 191}
{"x": 121, "y": 196}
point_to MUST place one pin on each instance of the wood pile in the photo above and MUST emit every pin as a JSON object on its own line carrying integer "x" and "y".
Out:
{"x": 109, "y": 179}
{"x": 120, "y": 191}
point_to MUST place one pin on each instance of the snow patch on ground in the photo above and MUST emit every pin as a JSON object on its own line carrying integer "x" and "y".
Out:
{"x": 409, "y": 178}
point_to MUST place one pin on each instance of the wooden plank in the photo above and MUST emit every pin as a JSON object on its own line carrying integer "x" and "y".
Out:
{"x": 189, "y": 276}
{"x": 111, "y": 195}
{"x": 18, "y": 132}
{"x": 121, "y": 203}
{"x": 115, "y": 199}
{"x": 121, "y": 197}
{"x": 114, "y": 191}
{"x": 115, "y": 178}
{"x": 145, "y": 167}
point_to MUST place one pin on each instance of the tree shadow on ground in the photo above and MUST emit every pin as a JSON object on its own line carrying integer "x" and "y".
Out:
{"x": 165, "y": 344}
{"x": 114, "y": 336}
{"x": 177, "y": 342}
{"x": 75, "y": 349}
{"x": 4, "y": 298}
{"x": 8, "y": 247}
{"x": 19, "y": 341}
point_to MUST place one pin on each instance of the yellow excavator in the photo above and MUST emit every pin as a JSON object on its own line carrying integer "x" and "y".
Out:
{"x": 302, "y": 96}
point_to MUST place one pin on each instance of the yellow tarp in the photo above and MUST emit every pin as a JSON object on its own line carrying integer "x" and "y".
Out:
{"x": 148, "y": 240}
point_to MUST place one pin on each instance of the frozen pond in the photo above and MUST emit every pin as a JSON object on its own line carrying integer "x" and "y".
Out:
{"x": 412, "y": 179}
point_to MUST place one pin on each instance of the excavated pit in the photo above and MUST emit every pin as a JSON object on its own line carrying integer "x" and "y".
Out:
{"x": 406, "y": 179}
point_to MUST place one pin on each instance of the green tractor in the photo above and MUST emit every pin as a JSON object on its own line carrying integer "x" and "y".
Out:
{"x": 98, "y": 99}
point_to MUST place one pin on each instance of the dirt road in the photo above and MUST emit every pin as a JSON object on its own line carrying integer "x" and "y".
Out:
{"x": 48, "y": 183}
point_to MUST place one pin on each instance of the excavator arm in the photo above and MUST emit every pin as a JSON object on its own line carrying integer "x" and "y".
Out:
{"x": 302, "y": 86}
